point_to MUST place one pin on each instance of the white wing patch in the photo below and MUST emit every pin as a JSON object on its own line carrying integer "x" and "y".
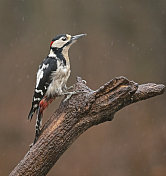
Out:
{"x": 40, "y": 74}
{"x": 39, "y": 91}
{"x": 36, "y": 99}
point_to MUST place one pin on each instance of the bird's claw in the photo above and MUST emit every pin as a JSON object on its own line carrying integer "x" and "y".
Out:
{"x": 69, "y": 94}
{"x": 69, "y": 88}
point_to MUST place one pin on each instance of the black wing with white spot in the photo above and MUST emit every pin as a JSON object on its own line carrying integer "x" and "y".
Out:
{"x": 42, "y": 82}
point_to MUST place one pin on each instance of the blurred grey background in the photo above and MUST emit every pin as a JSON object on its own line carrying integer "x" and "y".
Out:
{"x": 124, "y": 38}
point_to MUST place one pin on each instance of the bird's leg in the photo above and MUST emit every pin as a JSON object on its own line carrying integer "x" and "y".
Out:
{"x": 66, "y": 92}
{"x": 65, "y": 88}
{"x": 71, "y": 87}
{"x": 69, "y": 94}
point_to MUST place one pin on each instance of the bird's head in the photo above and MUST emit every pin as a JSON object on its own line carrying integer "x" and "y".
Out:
{"x": 63, "y": 42}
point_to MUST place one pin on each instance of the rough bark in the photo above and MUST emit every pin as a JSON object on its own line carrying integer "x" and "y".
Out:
{"x": 76, "y": 115}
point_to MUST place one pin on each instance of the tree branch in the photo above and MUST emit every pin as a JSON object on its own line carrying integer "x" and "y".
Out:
{"x": 76, "y": 115}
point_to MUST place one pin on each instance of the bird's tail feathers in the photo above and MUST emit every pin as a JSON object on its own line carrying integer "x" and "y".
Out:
{"x": 38, "y": 123}
{"x": 32, "y": 111}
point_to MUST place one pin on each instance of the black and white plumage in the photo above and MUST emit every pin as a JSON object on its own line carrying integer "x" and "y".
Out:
{"x": 52, "y": 76}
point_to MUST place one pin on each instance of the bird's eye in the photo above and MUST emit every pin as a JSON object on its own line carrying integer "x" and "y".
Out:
{"x": 64, "y": 38}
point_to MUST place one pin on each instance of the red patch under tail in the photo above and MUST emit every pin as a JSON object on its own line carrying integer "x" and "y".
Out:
{"x": 44, "y": 104}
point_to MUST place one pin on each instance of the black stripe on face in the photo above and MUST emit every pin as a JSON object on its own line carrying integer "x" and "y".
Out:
{"x": 68, "y": 43}
{"x": 59, "y": 50}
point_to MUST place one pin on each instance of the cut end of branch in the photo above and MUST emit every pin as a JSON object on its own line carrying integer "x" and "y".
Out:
{"x": 149, "y": 90}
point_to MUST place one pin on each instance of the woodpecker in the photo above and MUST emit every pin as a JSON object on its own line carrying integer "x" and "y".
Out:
{"x": 52, "y": 77}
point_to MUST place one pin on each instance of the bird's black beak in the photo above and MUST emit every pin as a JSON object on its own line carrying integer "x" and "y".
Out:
{"x": 76, "y": 37}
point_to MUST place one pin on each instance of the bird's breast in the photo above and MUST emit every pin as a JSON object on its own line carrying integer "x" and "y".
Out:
{"x": 61, "y": 72}
{"x": 59, "y": 80}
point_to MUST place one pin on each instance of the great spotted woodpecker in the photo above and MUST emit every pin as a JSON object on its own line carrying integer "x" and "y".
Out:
{"x": 52, "y": 76}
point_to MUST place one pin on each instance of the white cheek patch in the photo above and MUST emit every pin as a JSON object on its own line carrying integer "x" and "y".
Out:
{"x": 58, "y": 44}
{"x": 40, "y": 74}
